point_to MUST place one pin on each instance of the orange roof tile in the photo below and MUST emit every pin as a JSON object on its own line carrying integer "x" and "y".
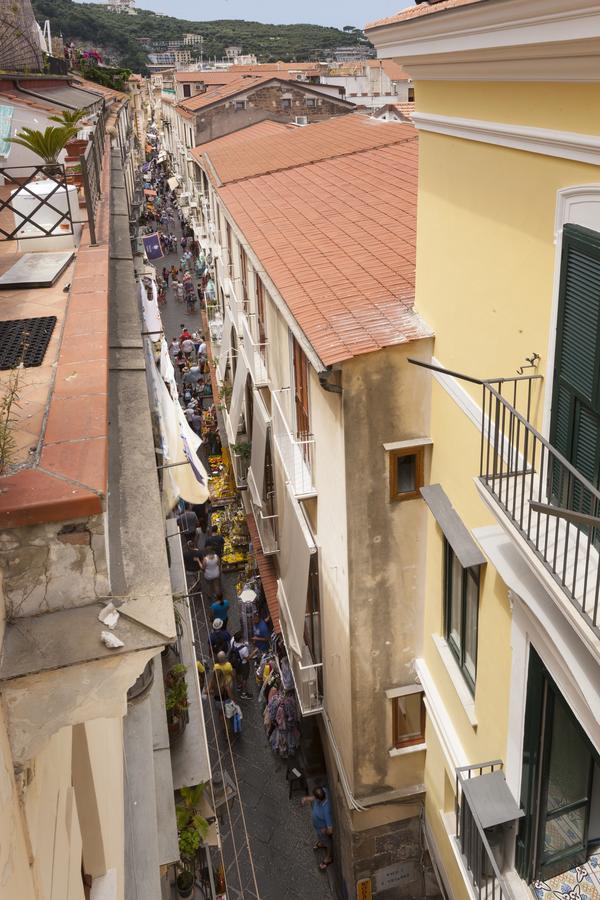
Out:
{"x": 251, "y": 152}
{"x": 406, "y": 110}
{"x": 423, "y": 9}
{"x": 211, "y": 77}
{"x": 337, "y": 238}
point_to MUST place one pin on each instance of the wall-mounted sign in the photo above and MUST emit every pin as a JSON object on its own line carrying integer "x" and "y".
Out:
{"x": 364, "y": 890}
{"x": 392, "y": 876}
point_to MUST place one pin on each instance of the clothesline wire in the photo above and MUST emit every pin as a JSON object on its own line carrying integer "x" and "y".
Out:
{"x": 233, "y": 766}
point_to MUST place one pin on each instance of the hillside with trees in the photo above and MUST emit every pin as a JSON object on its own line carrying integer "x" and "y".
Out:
{"x": 125, "y": 40}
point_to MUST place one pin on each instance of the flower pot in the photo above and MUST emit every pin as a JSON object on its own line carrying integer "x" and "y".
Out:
{"x": 185, "y": 884}
{"x": 76, "y": 147}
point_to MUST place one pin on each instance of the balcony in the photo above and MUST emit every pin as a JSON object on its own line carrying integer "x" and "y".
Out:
{"x": 539, "y": 495}
{"x": 296, "y": 453}
{"x": 256, "y": 354}
{"x": 485, "y": 815}
{"x": 266, "y": 524}
{"x": 306, "y": 673}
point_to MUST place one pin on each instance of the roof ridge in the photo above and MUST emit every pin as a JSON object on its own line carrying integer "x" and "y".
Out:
{"x": 312, "y": 162}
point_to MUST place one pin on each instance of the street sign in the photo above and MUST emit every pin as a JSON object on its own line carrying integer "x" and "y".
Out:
{"x": 363, "y": 889}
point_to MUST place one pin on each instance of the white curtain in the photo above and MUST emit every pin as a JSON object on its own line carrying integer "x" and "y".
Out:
{"x": 260, "y": 436}
{"x": 225, "y": 345}
{"x": 237, "y": 395}
{"x": 296, "y": 548}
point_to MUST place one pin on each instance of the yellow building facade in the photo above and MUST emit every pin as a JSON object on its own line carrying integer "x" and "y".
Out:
{"x": 508, "y": 109}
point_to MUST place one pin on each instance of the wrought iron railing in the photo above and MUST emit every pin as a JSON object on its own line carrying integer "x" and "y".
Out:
{"x": 34, "y": 202}
{"x": 551, "y": 504}
{"x": 486, "y": 877}
{"x": 240, "y": 465}
{"x": 295, "y": 451}
{"x": 266, "y": 523}
{"x": 307, "y": 674}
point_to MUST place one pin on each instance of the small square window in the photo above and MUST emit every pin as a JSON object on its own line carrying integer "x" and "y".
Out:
{"x": 310, "y": 101}
{"x": 406, "y": 473}
{"x": 286, "y": 103}
{"x": 240, "y": 104}
{"x": 408, "y": 719}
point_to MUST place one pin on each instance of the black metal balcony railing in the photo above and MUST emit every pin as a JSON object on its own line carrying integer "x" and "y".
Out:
{"x": 552, "y": 505}
{"x": 487, "y": 879}
{"x": 27, "y": 213}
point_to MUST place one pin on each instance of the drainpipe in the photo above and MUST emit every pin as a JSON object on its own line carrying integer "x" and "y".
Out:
{"x": 328, "y": 385}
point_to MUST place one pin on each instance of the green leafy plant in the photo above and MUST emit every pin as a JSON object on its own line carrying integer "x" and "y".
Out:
{"x": 191, "y": 826}
{"x": 69, "y": 117}
{"x": 176, "y": 695}
{"x": 8, "y": 404}
{"x": 243, "y": 449}
{"x": 45, "y": 144}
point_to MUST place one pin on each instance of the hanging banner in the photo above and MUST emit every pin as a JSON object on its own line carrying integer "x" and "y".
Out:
{"x": 153, "y": 246}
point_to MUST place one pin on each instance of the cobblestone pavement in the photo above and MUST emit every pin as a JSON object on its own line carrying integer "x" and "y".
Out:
{"x": 279, "y": 834}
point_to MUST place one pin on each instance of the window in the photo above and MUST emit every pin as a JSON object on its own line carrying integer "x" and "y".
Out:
{"x": 461, "y": 612}
{"x": 301, "y": 393}
{"x": 240, "y": 104}
{"x": 406, "y": 472}
{"x": 187, "y": 90}
{"x": 286, "y": 103}
{"x": 310, "y": 101}
{"x": 229, "y": 240}
{"x": 244, "y": 275}
{"x": 408, "y": 718}
{"x": 260, "y": 315}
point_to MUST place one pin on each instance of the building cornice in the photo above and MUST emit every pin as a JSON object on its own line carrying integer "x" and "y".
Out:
{"x": 508, "y": 40}
{"x": 545, "y": 141}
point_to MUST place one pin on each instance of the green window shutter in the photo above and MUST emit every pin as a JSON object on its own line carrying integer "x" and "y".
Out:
{"x": 579, "y": 312}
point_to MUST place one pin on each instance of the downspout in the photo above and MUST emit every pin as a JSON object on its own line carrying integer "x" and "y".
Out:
{"x": 328, "y": 385}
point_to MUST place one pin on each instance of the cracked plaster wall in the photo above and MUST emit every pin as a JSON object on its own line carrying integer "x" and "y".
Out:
{"x": 53, "y": 566}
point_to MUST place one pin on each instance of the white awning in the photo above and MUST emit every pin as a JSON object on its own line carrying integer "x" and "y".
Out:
{"x": 296, "y": 548}
{"x": 173, "y": 183}
{"x": 150, "y": 309}
{"x": 225, "y": 345}
{"x": 260, "y": 435}
{"x": 237, "y": 395}
{"x": 188, "y": 479}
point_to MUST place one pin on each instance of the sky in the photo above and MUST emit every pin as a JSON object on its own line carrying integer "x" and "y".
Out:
{"x": 319, "y": 12}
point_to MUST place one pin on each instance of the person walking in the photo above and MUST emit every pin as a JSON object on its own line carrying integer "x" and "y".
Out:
{"x": 260, "y": 633}
{"x": 220, "y": 609}
{"x": 211, "y": 568}
{"x": 322, "y": 821}
{"x": 219, "y": 638}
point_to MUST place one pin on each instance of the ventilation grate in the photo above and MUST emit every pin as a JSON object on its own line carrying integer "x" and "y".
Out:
{"x": 25, "y": 340}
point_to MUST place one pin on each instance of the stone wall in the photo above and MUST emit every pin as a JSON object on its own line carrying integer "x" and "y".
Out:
{"x": 53, "y": 566}
{"x": 394, "y": 856}
{"x": 264, "y": 103}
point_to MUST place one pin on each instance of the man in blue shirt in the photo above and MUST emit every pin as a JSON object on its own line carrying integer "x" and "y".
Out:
{"x": 260, "y": 633}
{"x": 322, "y": 820}
{"x": 220, "y": 609}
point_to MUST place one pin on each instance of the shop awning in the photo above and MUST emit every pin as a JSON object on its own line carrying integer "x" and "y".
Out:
{"x": 268, "y": 574}
{"x": 225, "y": 345}
{"x": 237, "y": 395}
{"x": 296, "y": 548}
{"x": 260, "y": 434}
{"x": 150, "y": 310}
{"x": 185, "y": 476}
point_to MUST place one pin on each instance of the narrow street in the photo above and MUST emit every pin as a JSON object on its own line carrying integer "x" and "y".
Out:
{"x": 262, "y": 828}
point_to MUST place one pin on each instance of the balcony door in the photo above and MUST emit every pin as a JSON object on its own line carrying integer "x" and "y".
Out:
{"x": 556, "y": 792}
{"x": 575, "y": 423}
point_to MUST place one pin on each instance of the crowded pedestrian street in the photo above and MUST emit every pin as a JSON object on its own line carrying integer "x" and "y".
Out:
{"x": 266, "y": 839}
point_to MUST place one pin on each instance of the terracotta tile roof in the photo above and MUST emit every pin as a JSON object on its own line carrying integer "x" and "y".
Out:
{"x": 406, "y": 110}
{"x": 106, "y": 92}
{"x": 251, "y": 152}
{"x": 337, "y": 238}
{"x": 423, "y": 9}
{"x": 22, "y": 100}
{"x": 223, "y": 92}
{"x": 268, "y": 573}
{"x": 391, "y": 68}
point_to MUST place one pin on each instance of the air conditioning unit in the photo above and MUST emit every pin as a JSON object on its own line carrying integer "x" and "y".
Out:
{"x": 301, "y": 120}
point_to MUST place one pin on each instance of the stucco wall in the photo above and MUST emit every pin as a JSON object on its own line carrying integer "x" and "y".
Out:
{"x": 385, "y": 400}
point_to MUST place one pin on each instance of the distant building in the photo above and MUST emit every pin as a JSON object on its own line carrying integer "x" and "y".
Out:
{"x": 171, "y": 58}
{"x": 122, "y": 6}
{"x": 232, "y": 52}
{"x": 354, "y": 53}
{"x": 191, "y": 40}
{"x": 245, "y": 59}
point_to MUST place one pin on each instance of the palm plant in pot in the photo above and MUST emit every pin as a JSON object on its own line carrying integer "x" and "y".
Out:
{"x": 70, "y": 118}
{"x": 192, "y": 829}
{"x": 46, "y": 144}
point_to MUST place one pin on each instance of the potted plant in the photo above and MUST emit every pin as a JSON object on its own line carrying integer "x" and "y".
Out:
{"x": 192, "y": 829}
{"x": 176, "y": 700}
{"x": 70, "y": 118}
{"x": 45, "y": 144}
